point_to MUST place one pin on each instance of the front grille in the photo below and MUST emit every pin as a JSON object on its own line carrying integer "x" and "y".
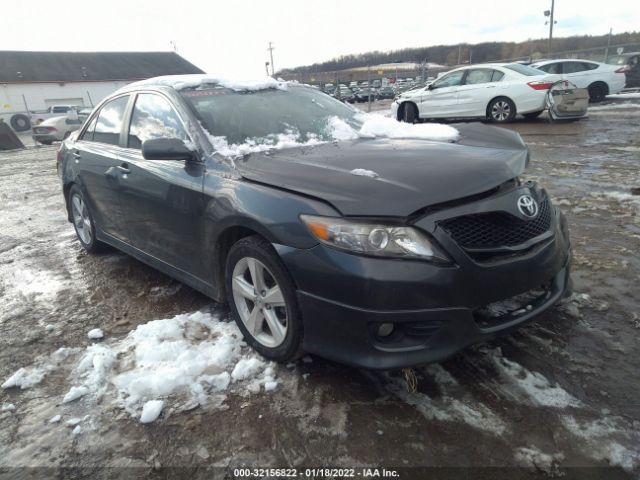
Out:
{"x": 497, "y": 229}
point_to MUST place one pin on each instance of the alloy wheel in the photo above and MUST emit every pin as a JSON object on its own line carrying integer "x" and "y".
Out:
{"x": 500, "y": 111}
{"x": 81, "y": 218}
{"x": 260, "y": 302}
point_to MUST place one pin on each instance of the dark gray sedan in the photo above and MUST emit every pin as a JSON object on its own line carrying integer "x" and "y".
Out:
{"x": 377, "y": 252}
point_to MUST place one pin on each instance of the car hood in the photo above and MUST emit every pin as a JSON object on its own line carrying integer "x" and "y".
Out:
{"x": 411, "y": 174}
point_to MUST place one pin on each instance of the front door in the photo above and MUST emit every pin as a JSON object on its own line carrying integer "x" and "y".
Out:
{"x": 440, "y": 99}
{"x": 162, "y": 199}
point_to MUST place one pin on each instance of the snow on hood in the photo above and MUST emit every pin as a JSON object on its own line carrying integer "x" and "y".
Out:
{"x": 378, "y": 126}
{"x": 180, "y": 82}
{"x": 372, "y": 126}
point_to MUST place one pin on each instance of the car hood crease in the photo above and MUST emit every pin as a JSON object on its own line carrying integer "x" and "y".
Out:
{"x": 411, "y": 173}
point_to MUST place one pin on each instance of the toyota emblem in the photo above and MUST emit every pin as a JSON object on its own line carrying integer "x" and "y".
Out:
{"x": 527, "y": 206}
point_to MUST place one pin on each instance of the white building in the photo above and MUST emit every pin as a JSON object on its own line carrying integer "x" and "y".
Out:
{"x": 34, "y": 81}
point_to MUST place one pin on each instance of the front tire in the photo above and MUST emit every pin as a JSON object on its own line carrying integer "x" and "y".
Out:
{"x": 83, "y": 222}
{"x": 501, "y": 110}
{"x": 262, "y": 299}
{"x": 408, "y": 113}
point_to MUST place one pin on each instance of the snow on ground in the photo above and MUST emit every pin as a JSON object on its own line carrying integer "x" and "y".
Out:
{"x": 532, "y": 457}
{"x": 624, "y": 96}
{"x": 534, "y": 386}
{"x": 615, "y": 106}
{"x": 193, "y": 357}
{"x": 449, "y": 405}
{"x": 600, "y": 439}
{"x": 27, "y": 377}
{"x": 95, "y": 334}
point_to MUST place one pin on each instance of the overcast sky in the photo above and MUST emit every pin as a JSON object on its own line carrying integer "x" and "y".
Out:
{"x": 230, "y": 38}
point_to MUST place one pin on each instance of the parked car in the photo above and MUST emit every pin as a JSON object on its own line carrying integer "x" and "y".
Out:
{"x": 444, "y": 247}
{"x": 58, "y": 128}
{"x": 329, "y": 88}
{"x": 40, "y": 116}
{"x": 497, "y": 92}
{"x": 599, "y": 78}
{"x": 345, "y": 94}
{"x": 386, "y": 93}
{"x": 362, "y": 95}
{"x": 629, "y": 64}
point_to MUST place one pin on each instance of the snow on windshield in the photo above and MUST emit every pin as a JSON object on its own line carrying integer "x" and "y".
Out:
{"x": 337, "y": 129}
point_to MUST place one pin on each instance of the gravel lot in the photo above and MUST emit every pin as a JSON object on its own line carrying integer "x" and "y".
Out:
{"x": 561, "y": 395}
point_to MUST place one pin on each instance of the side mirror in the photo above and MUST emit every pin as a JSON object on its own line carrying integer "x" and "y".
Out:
{"x": 166, "y": 149}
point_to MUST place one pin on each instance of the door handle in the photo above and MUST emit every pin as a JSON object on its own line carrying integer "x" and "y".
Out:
{"x": 124, "y": 168}
{"x": 491, "y": 86}
{"x": 76, "y": 155}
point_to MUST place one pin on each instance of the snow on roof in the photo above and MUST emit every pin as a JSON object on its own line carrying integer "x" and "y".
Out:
{"x": 180, "y": 82}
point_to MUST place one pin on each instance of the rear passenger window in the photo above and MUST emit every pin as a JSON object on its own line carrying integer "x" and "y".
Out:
{"x": 573, "y": 67}
{"x": 109, "y": 121}
{"x": 154, "y": 117}
{"x": 497, "y": 76}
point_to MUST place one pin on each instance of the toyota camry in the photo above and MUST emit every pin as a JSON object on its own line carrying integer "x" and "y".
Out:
{"x": 360, "y": 239}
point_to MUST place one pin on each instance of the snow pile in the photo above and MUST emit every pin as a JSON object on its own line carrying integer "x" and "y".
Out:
{"x": 7, "y": 407}
{"x": 534, "y": 385}
{"x": 361, "y": 172}
{"x": 624, "y": 96}
{"x": 601, "y": 439}
{"x": 95, "y": 334}
{"x": 191, "y": 355}
{"x": 27, "y": 377}
{"x": 180, "y": 82}
{"x": 531, "y": 457}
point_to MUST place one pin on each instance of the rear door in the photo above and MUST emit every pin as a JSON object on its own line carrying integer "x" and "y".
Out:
{"x": 97, "y": 162}
{"x": 440, "y": 99}
{"x": 579, "y": 73}
{"x": 162, "y": 199}
{"x": 479, "y": 87}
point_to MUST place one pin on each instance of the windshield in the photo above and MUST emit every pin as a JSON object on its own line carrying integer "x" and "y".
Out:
{"x": 617, "y": 60}
{"x": 261, "y": 116}
{"x": 524, "y": 69}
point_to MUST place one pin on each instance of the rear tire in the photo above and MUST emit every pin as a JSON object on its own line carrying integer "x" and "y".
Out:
{"x": 83, "y": 222}
{"x": 20, "y": 122}
{"x": 597, "y": 92}
{"x": 532, "y": 115}
{"x": 262, "y": 299}
{"x": 408, "y": 113}
{"x": 501, "y": 110}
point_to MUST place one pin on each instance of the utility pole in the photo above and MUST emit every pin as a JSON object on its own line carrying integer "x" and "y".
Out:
{"x": 368, "y": 88}
{"x": 606, "y": 52}
{"x": 549, "y": 13}
{"x": 271, "y": 47}
{"x": 459, "y": 54}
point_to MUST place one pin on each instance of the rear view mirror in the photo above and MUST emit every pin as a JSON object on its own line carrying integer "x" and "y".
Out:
{"x": 166, "y": 149}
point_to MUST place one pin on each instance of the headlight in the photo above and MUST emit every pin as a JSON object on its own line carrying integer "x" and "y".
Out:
{"x": 374, "y": 239}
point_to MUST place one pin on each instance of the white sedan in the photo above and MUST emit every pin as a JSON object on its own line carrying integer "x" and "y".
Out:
{"x": 58, "y": 128}
{"x": 494, "y": 91}
{"x": 600, "y": 79}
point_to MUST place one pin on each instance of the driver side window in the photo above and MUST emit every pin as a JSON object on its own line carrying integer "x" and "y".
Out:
{"x": 154, "y": 117}
{"x": 452, "y": 79}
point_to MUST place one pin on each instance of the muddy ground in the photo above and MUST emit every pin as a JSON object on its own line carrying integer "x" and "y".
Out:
{"x": 559, "y": 396}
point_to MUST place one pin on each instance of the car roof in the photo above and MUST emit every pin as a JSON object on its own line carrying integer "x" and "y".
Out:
{"x": 545, "y": 62}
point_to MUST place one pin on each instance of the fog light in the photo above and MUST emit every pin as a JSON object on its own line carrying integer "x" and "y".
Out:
{"x": 385, "y": 329}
